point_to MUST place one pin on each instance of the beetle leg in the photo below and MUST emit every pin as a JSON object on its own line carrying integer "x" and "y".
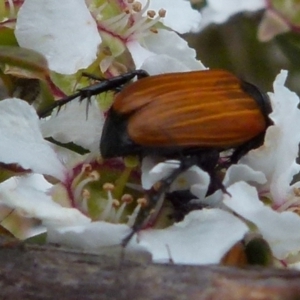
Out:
{"x": 240, "y": 151}
{"x": 153, "y": 196}
{"x": 208, "y": 160}
{"x": 60, "y": 103}
{"x": 111, "y": 84}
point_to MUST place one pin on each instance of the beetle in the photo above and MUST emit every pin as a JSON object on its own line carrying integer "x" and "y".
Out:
{"x": 176, "y": 113}
{"x": 192, "y": 116}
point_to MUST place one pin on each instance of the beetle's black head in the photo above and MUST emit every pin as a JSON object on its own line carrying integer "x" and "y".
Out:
{"x": 115, "y": 140}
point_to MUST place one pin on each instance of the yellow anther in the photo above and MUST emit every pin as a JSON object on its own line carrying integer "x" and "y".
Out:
{"x": 127, "y": 198}
{"x": 151, "y": 13}
{"x": 108, "y": 186}
{"x": 162, "y": 13}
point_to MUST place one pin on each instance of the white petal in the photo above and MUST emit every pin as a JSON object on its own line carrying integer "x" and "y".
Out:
{"x": 203, "y": 237}
{"x": 295, "y": 266}
{"x": 175, "y": 47}
{"x": 35, "y": 181}
{"x": 156, "y": 56}
{"x": 179, "y": 14}
{"x": 22, "y": 141}
{"x": 63, "y": 31}
{"x": 242, "y": 172}
{"x": 32, "y": 202}
{"x": 76, "y": 123}
{"x": 161, "y": 64}
{"x": 199, "y": 189}
{"x": 92, "y": 236}
{"x": 277, "y": 157}
{"x": 280, "y": 230}
{"x": 148, "y": 179}
{"x": 213, "y": 200}
{"x": 192, "y": 177}
{"x": 153, "y": 172}
{"x": 139, "y": 54}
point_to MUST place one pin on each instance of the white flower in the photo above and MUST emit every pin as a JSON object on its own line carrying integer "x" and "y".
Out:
{"x": 278, "y": 222}
{"x": 63, "y": 31}
{"x": 22, "y": 141}
{"x": 73, "y": 35}
{"x": 277, "y": 157}
{"x": 23, "y": 144}
{"x": 68, "y": 225}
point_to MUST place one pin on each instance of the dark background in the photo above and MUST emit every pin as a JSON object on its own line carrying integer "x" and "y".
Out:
{"x": 234, "y": 46}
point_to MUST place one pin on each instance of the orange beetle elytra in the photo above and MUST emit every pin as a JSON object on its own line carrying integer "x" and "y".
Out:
{"x": 170, "y": 113}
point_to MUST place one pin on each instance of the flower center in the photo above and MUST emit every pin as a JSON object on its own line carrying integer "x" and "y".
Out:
{"x": 129, "y": 20}
{"x": 106, "y": 191}
{"x": 8, "y": 11}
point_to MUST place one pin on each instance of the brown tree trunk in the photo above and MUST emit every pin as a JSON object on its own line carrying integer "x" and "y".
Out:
{"x": 49, "y": 272}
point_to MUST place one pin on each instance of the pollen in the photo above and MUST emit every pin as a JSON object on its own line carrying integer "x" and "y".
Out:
{"x": 142, "y": 201}
{"x": 115, "y": 203}
{"x": 162, "y": 13}
{"x": 127, "y": 198}
{"x": 85, "y": 194}
{"x": 94, "y": 175}
{"x": 108, "y": 186}
{"x": 153, "y": 30}
{"x": 127, "y": 11}
{"x": 151, "y": 13}
{"x": 137, "y": 6}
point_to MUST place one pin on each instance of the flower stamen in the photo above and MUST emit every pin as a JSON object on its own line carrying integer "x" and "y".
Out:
{"x": 141, "y": 202}
{"x": 151, "y": 13}
{"x": 85, "y": 197}
{"x": 106, "y": 214}
{"x": 77, "y": 189}
{"x": 137, "y": 6}
{"x": 12, "y": 11}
